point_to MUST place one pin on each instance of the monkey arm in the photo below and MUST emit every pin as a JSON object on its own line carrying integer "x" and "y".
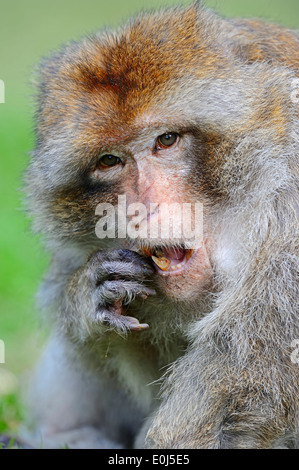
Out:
{"x": 218, "y": 403}
{"x": 79, "y": 400}
{"x": 73, "y": 404}
{"x": 95, "y": 295}
{"x": 229, "y": 411}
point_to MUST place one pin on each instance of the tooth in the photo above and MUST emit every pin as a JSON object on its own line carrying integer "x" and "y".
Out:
{"x": 173, "y": 268}
{"x": 162, "y": 263}
{"x": 179, "y": 265}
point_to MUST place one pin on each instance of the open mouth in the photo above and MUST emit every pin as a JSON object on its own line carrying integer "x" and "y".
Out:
{"x": 169, "y": 261}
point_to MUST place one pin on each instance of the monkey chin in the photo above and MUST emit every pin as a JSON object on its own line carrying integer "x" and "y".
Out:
{"x": 183, "y": 274}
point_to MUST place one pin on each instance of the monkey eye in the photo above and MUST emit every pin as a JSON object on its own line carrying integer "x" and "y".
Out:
{"x": 107, "y": 161}
{"x": 167, "y": 140}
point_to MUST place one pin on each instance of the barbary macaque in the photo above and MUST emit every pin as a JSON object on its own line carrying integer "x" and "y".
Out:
{"x": 158, "y": 342}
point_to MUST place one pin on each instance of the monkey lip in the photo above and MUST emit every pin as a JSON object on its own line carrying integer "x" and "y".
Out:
{"x": 169, "y": 261}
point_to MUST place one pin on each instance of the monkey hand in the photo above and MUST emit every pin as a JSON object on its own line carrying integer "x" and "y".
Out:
{"x": 107, "y": 283}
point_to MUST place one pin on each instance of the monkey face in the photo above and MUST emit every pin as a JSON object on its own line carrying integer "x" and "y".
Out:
{"x": 149, "y": 172}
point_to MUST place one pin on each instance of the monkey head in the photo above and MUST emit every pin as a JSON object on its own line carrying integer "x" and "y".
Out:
{"x": 153, "y": 113}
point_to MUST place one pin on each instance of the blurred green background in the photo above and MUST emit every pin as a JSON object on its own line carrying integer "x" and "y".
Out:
{"x": 29, "y": 29}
